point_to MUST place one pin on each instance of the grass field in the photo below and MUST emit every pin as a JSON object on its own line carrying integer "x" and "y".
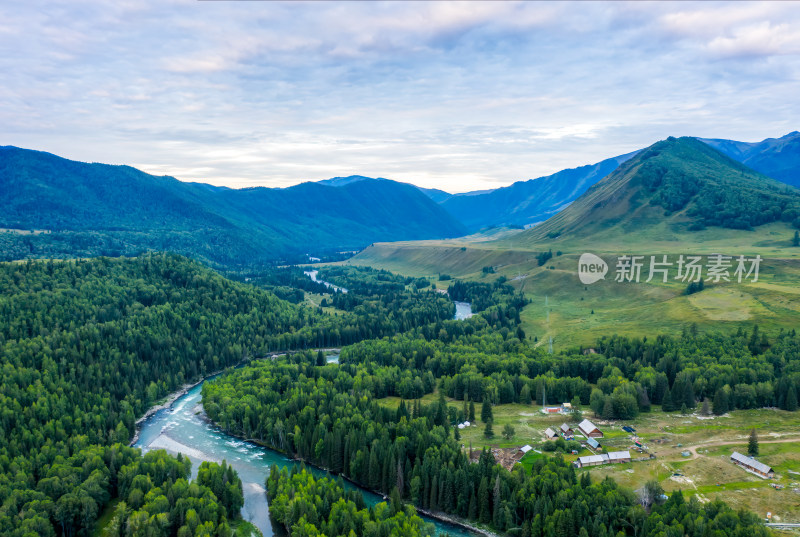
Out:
{"x": 576, "y": 314}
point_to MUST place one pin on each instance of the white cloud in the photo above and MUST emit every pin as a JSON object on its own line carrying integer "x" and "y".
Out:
{"x": 456, "y": 95}
{"x": 762, "y": 39}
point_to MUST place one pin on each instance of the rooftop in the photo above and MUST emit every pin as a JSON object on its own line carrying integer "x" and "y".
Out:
{"x": 751, "y": 462}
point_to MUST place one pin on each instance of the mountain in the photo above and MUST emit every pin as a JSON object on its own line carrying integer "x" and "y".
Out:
{"x": 778, "y": 158}
{"x": 679, "y": 185}
{"x": 527, "y": 202}
{"x": 350, "y": 179}
{"x": 433, "y": 193}
{"x": 96, "y": 209}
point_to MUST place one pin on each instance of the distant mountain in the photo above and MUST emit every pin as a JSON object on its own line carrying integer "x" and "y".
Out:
{"x": 98, "y": 209}
{"x": 778, "y": 158}
{"x": 682, "y": 185}
{"x": 433, "y": 193}
{"x": 350, "y": 179}
{"x": 527, "y": 202}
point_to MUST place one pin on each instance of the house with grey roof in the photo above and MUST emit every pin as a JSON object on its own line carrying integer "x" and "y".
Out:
{"x": 753, "y": 466}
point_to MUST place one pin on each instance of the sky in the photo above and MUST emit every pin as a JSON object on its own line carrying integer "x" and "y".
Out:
{"x": 455, "y": 95}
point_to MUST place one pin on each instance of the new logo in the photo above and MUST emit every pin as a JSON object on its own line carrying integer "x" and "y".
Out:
{"x": 591, "y": 269}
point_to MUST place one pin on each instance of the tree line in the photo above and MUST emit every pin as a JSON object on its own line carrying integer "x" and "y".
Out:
{"x": 618, "y": 377}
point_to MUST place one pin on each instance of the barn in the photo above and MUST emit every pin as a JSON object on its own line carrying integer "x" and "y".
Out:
{"x": 615, "y": 457}
{"x": 618, "y": 457}
{"x": 550, "y": 434}
{"x": 566, "y": 430}
{"x": 753, "y": 466}
{"x": 590, "y": 430}
{"x": 590, "y": 460}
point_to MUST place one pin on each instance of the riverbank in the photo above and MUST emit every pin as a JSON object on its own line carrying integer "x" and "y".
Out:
{"x": 183, "y": 390}
{"x": 439, "y": 516}
{"x": 187, "y": 429}
{"x": 168, "y": 402}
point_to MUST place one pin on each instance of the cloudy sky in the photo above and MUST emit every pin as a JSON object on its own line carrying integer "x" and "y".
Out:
{"x": 458, "y": 96}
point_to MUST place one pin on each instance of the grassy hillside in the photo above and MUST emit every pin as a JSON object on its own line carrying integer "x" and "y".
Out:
{"x": 634, "y": 211}
{"x": 676, "y": 186}
{"x": 97, "y": 209}
{"x": 562, "y": 307}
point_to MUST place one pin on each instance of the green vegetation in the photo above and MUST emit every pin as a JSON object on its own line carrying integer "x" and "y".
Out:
{"x": 87, "y": 346}
{"x": 308, "y": 506}
{"x": 97, "y": 209}
{"x": 242, "y": 528}
{"x": 159, "y": 499}
{"x": 752, "y": 444}
{"x": 681, "y": 182}
{"x": 337, "y": 416}
{"x": 482, "y": 295}
{"x": 330, "y": 415}
{"x": 616, "y": 217}
{"x": 621, "y": 378}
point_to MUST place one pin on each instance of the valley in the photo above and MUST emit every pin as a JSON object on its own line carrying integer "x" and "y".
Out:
{"x": 619, "y": 216}
{"x": 400, "y": 269}
{"x": 432, "y": 334}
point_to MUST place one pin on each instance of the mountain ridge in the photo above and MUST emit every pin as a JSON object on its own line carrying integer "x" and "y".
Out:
{"x": 101, "y": 209}
{"x": 682, "y": 182}
{"x": 778, "y": 158}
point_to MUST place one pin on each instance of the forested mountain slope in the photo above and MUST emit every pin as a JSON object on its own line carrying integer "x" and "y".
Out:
{"x": 528, "y": 202}
{"x": 87, "y": 346}
{"x": 98, "y": 209}
{"x": 678, "y": 184}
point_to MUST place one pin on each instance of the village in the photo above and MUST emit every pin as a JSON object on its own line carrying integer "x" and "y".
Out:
{"x": 675, "y": 451}
{"x": 590, "y": 440}
{"x": 674, "y": 448}
{"x": 591, "y": 434}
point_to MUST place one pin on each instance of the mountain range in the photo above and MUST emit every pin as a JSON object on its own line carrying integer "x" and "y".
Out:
{"x": 97, "y": 209}
{"x": 54, "y": 207}
{"x": 778, "y": 158}
{"x": 526, "y": 203}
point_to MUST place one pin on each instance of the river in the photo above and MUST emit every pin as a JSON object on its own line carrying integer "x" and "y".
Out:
{"x": 463, "y": 310}
{"x": 313, "y": 275}
{"x": 182, "y": 428}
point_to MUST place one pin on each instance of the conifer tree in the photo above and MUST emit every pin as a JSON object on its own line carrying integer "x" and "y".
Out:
{"x": 486, "y": 410}
{"x": 752, "y": 444}
{"x": 666, "y": 401}
{"x": 488, "y": 432}
{"x": 720, "y": 405}
{"x": 791, "y": 398}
